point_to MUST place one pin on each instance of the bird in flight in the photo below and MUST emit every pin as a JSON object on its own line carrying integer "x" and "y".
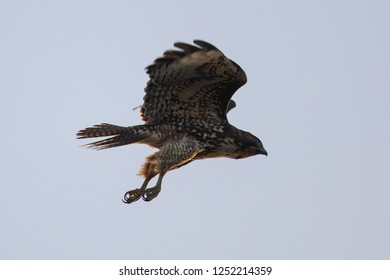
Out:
{"x": 184, "y": 112}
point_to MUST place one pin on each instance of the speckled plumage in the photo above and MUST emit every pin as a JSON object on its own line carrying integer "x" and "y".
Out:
{"x": 184, "y": 113}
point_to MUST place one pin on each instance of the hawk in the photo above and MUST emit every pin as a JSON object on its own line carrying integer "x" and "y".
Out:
{"x": 184, "y": 112}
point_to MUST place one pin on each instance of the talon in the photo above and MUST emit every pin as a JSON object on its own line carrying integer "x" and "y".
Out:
{"x": 132, "y": 196}
{"x": 151, "y": 193}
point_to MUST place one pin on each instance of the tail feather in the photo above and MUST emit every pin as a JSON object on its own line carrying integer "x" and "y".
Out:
{"x": 100, "y": 130}
{"x": 121, "y": 135}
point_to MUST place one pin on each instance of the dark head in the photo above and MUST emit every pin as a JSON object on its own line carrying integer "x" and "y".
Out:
{"x": 248, "y": 145}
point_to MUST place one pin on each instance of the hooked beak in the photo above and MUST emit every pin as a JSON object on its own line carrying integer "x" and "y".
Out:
{"x": 262, "y": 151}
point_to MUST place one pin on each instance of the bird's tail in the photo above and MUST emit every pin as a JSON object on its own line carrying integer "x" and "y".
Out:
{"x": 121, "y": 135}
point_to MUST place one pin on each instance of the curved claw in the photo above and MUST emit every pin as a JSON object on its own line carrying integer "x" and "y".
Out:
{"x": 132, "y": 196}
{"x": 151, "y": 193}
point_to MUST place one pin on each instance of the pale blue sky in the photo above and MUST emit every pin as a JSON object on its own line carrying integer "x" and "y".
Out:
{"x": 318, "y": 96}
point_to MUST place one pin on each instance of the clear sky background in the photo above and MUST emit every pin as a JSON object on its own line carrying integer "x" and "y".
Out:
{"x": 318, "y": 96}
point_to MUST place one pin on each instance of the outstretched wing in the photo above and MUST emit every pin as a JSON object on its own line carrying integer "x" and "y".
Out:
{"x": 195, "y": 84}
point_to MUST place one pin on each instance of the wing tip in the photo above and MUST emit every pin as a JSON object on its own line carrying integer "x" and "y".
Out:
{"x": 205, "y": 45}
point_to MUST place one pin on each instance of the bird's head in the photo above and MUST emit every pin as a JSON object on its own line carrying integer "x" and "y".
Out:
{"x": 248, "y": 145}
